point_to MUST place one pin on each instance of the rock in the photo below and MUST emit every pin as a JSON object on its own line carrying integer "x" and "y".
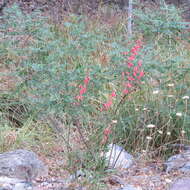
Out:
{"x": 22, "y": 165}
{"x": 23, "y": 186}
{"x": 130, "y": 187}
{"x": 117, "y": 157}
{"x": 181, "y": 184}
{"x": 179, "y": 162}
{"x": 113, "y": 180}
{"x": 78, "y": 174}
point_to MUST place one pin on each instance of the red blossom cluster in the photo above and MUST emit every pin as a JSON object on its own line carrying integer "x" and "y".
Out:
{"x": 108, "y": 104}
{"x": 136, "y": 73}
{"x": 130, "y": 77}
{"x": 106, "y": 134}
{"x": 83, "y": 89}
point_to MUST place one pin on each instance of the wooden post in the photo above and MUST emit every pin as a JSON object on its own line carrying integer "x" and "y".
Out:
{"x": 130, "y": 11}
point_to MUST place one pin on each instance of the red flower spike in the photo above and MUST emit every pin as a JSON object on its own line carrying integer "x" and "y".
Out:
{"x": 79, "y": 97}
{"x": 130, "y": 64}
{"x": 129, "y": 85}
{"x": 139, "y": 63}
{"x": 125, "y": 91}
{"x": 107, "y": 105}
{"x": 136, "y": 69}
{"x": 134, "y": 74}
{"x": 130, "y": 78}
{"x": 122, "y": 75}
{"x": 113, "y": 94}
{"x": 83, "y": 90}
{"x": 86, "y": 80}
{"x": 125, "y": 53}
{"x": 140, "y": 75}
{"x": 107, "y": 131}
{"x": 131, "y": 58}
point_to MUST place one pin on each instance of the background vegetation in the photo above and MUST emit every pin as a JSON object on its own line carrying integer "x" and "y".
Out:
{"x": 84, "y": 83}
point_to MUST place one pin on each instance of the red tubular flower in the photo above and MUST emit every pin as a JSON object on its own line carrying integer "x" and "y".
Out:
{"x": 130, "y": 78}
{"x": 134, "y": 74}
{"x": 139, "y": 63}
{"x": 107, "y": 105}
{"x": 141, "y": 74}
{"x": 125, "y": 53}
{"x": 130, "y": 64}
{"x": 125, "y": 91}
{"x": 129, "y": 85}
{"x": 113, "y": 94}
{"x": 107, "y": 131}
{"x": 79, "y": 97}
{"x": 136, "y": 69}
{"x": 131, "y": 58}
{"x": 82, "y": 90}
{"x": 86, "y": 80}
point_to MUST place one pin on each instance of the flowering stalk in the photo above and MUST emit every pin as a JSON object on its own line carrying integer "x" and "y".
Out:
{"x": 136, "y": 73}
{"x": 131, "y": 77}
{"x": 108, "y": 104}
{"x": 83, "y": 89}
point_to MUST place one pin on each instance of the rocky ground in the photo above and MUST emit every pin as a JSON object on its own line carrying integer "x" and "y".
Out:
{"x": 143, "y": 175}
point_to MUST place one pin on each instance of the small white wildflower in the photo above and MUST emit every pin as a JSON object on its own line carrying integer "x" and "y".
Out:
{"x": 148, "y": 138}
{"x": 155, "y": 92}
{"x": 179, "y": 114}
{"x": 182, "y": 132}
{"x": 171, "y": 85}
{"x": 185, "y": 97}
{"x": 161, "y": 132}
{"x": 114, "y": 121}
{"x": 145, "y": 109}
{"x": 150, "y": 126}
{"x": 170, "y": 96}
{"x": 168, "y": 133}
{"x": 168, "y": 180}
{"x": 136, "y": 109}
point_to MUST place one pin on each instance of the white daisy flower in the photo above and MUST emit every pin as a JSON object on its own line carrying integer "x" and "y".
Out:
{"x": 114, "y": 121}
{"x": 168, "y": 133}
{"x": 148, "y": 138}
{"x": 170, "y": 96}
{"x": 185, "y": 97}
{"x": 161, "y": 132}
{"x": 171, "y": 85}
{"x": 179, "y": 114}
{"x": 150, "y": 126}
{"x": 155, "y": 92}
{"x": 182, "y": 132}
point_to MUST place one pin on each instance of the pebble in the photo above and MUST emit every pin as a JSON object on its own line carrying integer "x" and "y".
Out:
{"x": 181, "y": 184}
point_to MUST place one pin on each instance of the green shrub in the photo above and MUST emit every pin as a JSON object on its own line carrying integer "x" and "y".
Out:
{"x": 87, "y": 83}
{"x": 163, "y": 22}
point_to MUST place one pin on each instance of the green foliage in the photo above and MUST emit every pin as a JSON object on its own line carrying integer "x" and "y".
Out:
{"x": 54, "y": 62}
{"x": 164, "y": 22}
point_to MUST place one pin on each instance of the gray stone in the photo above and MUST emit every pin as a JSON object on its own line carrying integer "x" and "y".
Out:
{"x": 22, "y": 186}
{"x": 130, "y": 187}
{"x": 181, "y": 184}
{"x": 180, "y": 162}
{"x": 79, "y": 174}
{"x": 21, "y": 164}
{"x": 117, "y": 157}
